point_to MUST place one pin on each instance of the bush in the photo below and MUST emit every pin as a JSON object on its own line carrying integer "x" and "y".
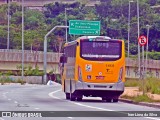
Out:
{"x": 154, "y": 55}
{"x": 29, "y": 71}
{"x": 142, "y": 98}
{"x": 133, "y": 49}
{"x": 58, "y": 78}
{"x": 131, "y": 82}
{"x": 151, "y": 85}
{"x": 21, "y": 81}
{"x": 5, "y": 79}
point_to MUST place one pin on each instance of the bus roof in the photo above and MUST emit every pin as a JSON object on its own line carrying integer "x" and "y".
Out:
{"x": 88, "y": 37}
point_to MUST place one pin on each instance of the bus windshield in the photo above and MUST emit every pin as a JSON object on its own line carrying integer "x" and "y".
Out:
{"x": 100, "y": 50}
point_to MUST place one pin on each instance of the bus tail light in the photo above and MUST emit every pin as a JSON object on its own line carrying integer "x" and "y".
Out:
{"x": 79, "y": 74}
{"x": 120, "y": 74}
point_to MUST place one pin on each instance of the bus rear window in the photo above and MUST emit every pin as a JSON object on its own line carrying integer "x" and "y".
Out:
{"x": 101, "y": 50}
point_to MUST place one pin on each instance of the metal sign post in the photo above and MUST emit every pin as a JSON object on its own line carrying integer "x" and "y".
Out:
{"x": 142, "y": 40}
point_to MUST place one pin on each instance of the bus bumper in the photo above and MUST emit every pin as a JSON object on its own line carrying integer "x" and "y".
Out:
{"x": 99, "y": 89}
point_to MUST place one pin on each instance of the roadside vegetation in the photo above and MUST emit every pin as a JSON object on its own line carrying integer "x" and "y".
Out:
{"x": 139, "y": 98}
{"x": 6, "y": 79}
{"x": 6, "y": 76}
{"x": 151, "y": 85}
{"x": 132, "y": 82}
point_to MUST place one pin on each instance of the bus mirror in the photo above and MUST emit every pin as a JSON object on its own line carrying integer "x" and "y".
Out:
{"x": 63, "y": 59}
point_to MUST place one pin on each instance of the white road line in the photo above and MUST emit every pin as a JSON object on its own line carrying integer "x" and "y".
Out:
{"x": 92, "y": 107}
{"x": 9, "y": 99}
{"x": 4, "y": 93}
{"x": 15, "y": 102}
{"x": 70, "y": 117}
{"x": 152, "y": 118}
{"x": 36, "y": 108}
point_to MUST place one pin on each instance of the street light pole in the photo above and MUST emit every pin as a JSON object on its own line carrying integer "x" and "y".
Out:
{"x": 45, "y": 52}
{"x": 66, "y": 21}
{"x": 8, "y": 2}
{"x": 66, "y": 24}
{"x": 148, "y": 27}
{"x": 129, "y": 9}
{"x": 22, "y": 39}
{"x": 139, "y": 59}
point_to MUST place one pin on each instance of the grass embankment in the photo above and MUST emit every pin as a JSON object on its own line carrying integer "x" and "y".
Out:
{"x": 151, "y": 85}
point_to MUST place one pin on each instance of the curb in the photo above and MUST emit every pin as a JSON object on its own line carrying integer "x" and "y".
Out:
{"x": 154, "y": 105}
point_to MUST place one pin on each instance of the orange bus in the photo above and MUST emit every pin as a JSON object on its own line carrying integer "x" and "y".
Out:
{"x": 93, "y": 66}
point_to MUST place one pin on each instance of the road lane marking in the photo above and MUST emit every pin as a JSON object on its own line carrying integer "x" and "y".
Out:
{"x": 5, "y": 93}
{"x": 152, "y": 118}
{"x": 70, "y": 117}
{"x": 9, "y": 99}
{"x": 36, "y": 108}
{"x": 15, "y": 102}
{"x": 92, "y": 107}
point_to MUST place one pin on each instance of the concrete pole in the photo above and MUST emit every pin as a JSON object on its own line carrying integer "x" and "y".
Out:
{"x": 139, "y": 59}
{"x": 22, "y": 39}
{"x": 146, "y": 65}
{"x": 128, "y": 26}
{"x": 8, "y": 1}
{"x": 66, "y": 23}
{"x": 129, "y": 9}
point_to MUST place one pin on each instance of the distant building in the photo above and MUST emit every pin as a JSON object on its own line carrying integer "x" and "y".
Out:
{"x": 38, "y": 4}
{"x": 156, "y": 8}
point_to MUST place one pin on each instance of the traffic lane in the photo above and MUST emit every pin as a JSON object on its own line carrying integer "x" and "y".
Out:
{"x": 99, "y": 105}
{"x": 6, "y": 103}
{"x": 21, "y": 97}
{"x": 38, "y": 91}
{"x": 97, "y": 102}
{"x": 36, "y": 96}
{"x": 29, "y": 94}
{"x": 36, "y": 99}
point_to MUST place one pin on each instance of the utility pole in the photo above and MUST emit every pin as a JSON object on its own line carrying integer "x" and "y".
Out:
{"x": 148, "y": 27}
{"x": 139, "y": 59}
{"x": 129, "y": 9}
{"x": 45, "y": 52}
{"x": 22, "y": 39}
{"x": 8, "y": 2}
{"x": 66, "y": 21}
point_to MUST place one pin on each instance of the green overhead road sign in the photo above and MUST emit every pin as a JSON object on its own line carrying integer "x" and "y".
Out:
{"x": 83, "y": 27}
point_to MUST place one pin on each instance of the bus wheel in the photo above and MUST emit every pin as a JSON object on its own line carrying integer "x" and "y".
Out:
{"x": 103, "y": 98}
{"x": 72, "y": 97}
{"x": 67, "y": 96}
{"x": 108, "y": 100}
{"x": 79, "y": 98}
{"x": 115, "y": 100}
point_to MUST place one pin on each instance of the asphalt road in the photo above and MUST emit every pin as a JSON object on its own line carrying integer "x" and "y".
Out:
{"x": 51, "y": 98}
